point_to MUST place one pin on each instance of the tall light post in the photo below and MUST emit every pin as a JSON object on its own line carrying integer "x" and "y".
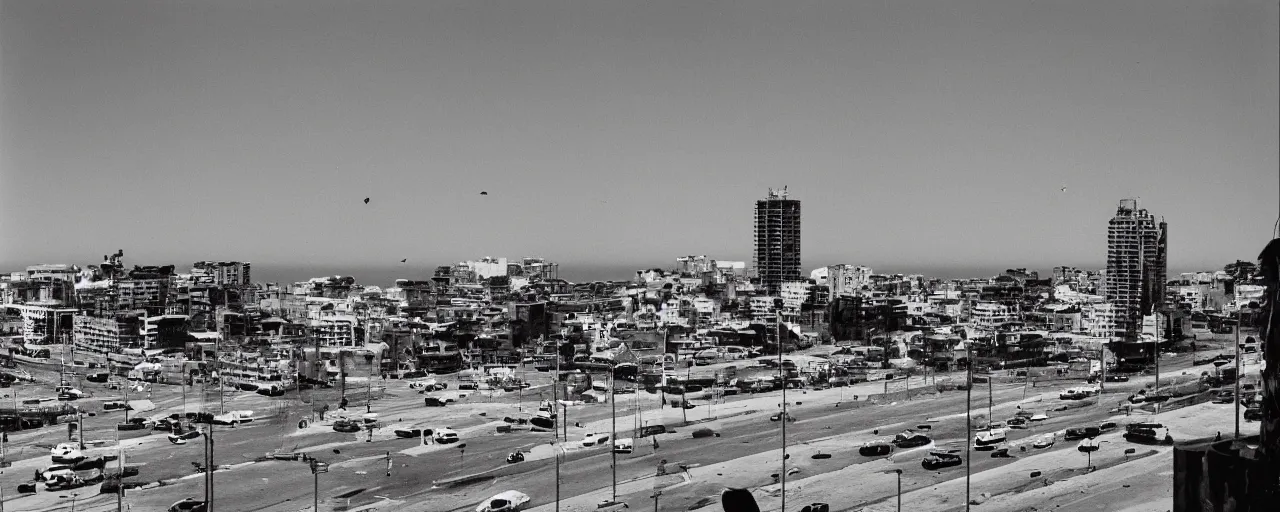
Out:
{"x": 1239, "y": 317}
{"x": 558, "y": 449}
{"x": 317, "y": 467}
{"x": 208, "y": 468}
{"x": 899, "y": 473}
{"x": 968, "y": 426}
{"x": 782, "y": 371}
{"x": 613, "y": 436}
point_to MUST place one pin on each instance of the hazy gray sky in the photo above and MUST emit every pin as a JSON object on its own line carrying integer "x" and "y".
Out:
{"x": 916, "y": 133}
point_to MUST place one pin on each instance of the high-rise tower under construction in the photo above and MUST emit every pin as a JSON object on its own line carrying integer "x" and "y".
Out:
{"x": 1137, "y": 266}
{"x": 777, "y": 232}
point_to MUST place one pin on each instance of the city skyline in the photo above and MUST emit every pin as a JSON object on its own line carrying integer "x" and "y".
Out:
{"x": 627, "y": 134}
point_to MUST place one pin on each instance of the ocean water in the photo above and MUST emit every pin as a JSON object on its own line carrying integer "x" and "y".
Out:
{"x": 386, "y": 276}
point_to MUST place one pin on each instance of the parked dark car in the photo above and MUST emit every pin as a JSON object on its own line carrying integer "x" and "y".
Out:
{"x": 1082, "y": 432}
{"x": 1253, "y": 412}
{"x": 652, "y": 430}
{"x": 188, "y": 505}
{"x": 939, "y": 460}
{"x": 1142, "y": 436}
{"x": 1117, "y": 378}
{"x": 128, "y": 471}
{"x": 112, "y": 485}
{"x": 875, "y": 450}
{"x": 704, "y": 432}
{"x": 541, "y": 423}
{"x": 346, "y": 426}
{"x": 911, "y": 439}
{"x": 99, "y": 377}
{"x": 409, "y": 434}
{"x": 433, "y": 401}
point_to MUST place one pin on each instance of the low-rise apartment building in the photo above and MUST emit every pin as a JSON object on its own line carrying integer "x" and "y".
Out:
{"x": 106, "y": 335}
{"x": 1098, "y": 319}
{"x": 990, "y": 315}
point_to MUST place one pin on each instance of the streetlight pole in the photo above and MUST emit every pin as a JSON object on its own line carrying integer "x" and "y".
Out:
{"x": 899, "y": 472}
{"x": 555, "y": 388}
{"x": 783, "y": 373}
{"x": 968, "y": 426}
{"x": 317, "y": 467}
{"x": 1239, "y": 317}
{"x": 208, "y": 469}
{"x": 557, "y": 456}
{"x": 1157, "y": 322}
{"x": 990, "y": 401}
{"x": 613, "y": 436}
{"x": 684, "y": 394}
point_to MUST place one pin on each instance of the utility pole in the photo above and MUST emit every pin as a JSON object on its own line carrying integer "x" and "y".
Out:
{"x": 557, "y": 456}
{"x": 990, "y": 401}
{"x": 222, "y": 378}
{"x": 555, "y": 393}
{"x": 127, "y": 385}
{"x": 208, "y": 469}
{"x": 613, "y": 437}
{"x": 783, "y": 372}
{"x": 684, "y": 393}
{"x": 968, "y": 426}
{"x": 1237, "y": 384}
{"x": 1102, "y": 384}
{"x": 1156, "y": 315}
{"x": 120, "y": 479}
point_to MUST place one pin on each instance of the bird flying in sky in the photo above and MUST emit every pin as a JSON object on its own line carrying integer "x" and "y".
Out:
{"x": 1064, "y": 189}
{"x": 483, "y": 193}
{"x": 404, "y": 260}
{"x": 366, "y": 200}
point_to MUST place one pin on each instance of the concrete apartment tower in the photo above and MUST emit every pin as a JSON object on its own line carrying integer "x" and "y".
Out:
{"x": 1137, "y": 266}
{"x": 777, "y": 255}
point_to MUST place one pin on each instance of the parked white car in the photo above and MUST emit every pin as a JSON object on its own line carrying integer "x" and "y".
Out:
{"x": 446, "y": 436}
{"x": 233, "y": 418}
{"x": 425, "y": 385}
{"x": 508, "y": 501}
{"x": 66, "y": 453}
{"x": 595, "y": 438}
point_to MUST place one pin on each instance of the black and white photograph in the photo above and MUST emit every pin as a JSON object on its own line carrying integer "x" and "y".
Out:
{"x": 668, "y": 255}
